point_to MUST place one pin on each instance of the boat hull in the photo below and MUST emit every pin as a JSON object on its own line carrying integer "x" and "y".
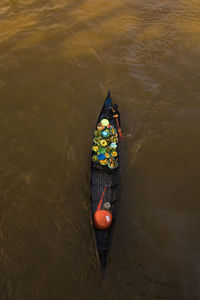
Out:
{"x": 101, "y": 177}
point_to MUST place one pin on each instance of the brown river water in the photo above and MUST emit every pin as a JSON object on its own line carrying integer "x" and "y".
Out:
{"x": 57, "y": 60}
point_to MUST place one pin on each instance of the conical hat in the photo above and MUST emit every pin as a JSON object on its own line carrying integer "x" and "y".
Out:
{"x": 105, "y": 122}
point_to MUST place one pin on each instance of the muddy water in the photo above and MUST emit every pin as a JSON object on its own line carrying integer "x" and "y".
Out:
{"x": 58, "y": 58}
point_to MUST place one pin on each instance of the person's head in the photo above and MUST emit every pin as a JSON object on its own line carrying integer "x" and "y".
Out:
{"x": 114, "y": 108}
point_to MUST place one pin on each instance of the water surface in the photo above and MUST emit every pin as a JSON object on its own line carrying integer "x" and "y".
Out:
{"x": 58, "y": 58}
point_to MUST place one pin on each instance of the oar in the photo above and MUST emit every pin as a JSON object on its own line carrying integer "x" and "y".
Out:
{"x": 119, "y": 129}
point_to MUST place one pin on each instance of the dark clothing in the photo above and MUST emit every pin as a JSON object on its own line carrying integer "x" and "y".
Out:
{"x": 109, "y": 113}
{"x": 117, "y": 114}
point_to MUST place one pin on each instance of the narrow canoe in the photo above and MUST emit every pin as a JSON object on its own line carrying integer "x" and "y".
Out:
{"x": 105, "y": 181}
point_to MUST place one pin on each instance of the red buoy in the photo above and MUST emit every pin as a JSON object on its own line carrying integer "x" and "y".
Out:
{"x": 102, "y": 219}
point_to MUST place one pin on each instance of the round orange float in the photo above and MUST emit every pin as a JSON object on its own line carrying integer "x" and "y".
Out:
{"x": 102, "y": 219}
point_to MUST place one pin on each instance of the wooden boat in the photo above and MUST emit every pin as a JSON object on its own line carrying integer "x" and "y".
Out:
{"x": 104, "y": 184}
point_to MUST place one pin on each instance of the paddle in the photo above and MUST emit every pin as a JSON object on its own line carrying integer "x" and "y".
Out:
{"x": 119, "y": 129}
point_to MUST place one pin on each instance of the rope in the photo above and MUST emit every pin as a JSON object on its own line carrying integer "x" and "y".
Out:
{"x": 100, "y": 202}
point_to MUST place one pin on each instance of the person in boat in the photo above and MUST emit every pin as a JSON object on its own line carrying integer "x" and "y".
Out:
{"x": 116, "y": 118}
{"x": 112, "y": 114}
{"x": 116, "y": 114}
